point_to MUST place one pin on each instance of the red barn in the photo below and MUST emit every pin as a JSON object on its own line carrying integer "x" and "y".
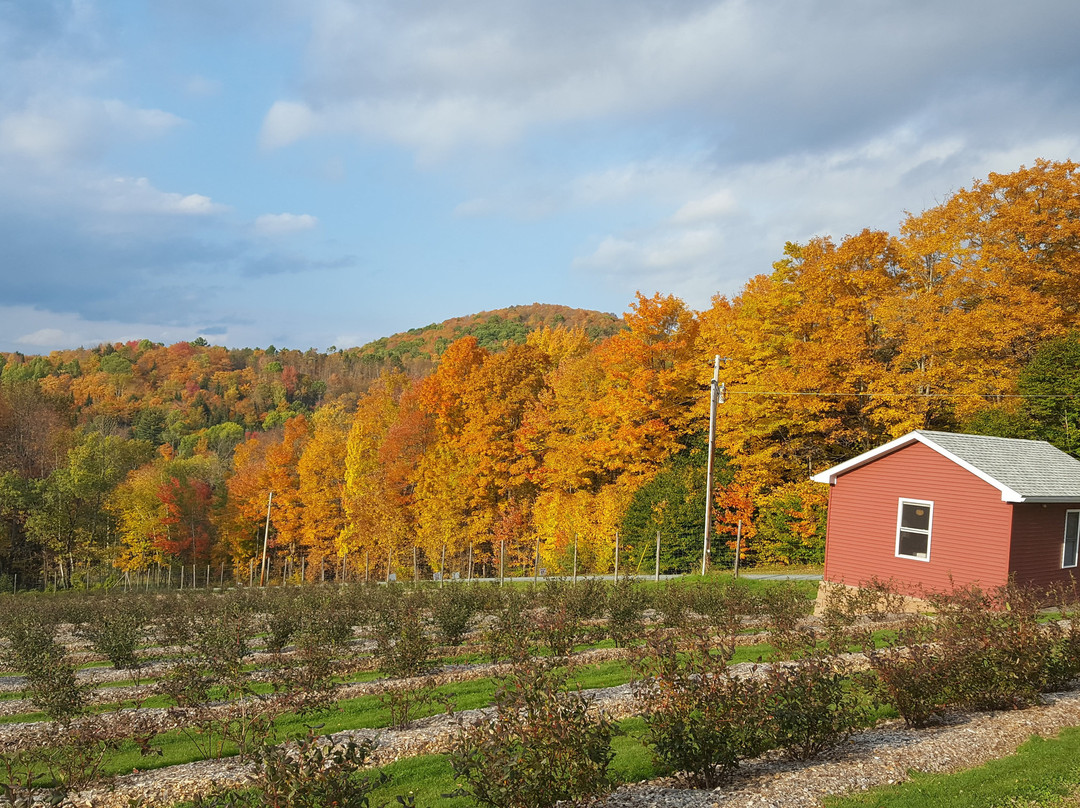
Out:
{"x": 931, "y": 508}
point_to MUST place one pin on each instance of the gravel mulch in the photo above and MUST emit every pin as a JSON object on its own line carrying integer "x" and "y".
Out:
{"x": 878, "y": 756}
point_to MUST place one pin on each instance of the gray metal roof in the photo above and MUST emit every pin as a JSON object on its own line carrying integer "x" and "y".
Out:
{"x": 1023, "y": 470}
{"x": 1032, "y": 468}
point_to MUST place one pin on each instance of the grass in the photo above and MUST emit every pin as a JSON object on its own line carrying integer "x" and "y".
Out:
{"x": 1043, "y": 773}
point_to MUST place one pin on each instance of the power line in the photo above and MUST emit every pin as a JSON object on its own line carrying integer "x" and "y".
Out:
{"x": 899, "y": 395}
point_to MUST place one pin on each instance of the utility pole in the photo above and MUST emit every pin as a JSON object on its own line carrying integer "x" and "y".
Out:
{"x": 266, "y": 540}
{"x": 716, "y": 395}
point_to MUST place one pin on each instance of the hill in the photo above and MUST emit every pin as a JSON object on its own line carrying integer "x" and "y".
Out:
{"x": 492, "y": 329}
{"x": 175, "y": 393}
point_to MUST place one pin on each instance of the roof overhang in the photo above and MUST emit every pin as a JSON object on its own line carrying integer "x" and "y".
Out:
{"x": 829, "y": 476}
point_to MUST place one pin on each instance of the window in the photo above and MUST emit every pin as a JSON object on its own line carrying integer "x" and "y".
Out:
{"x": 1072, "y": 539}
{"x": 913, "y": 529}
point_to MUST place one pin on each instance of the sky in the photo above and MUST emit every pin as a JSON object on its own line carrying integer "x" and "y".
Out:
{"x": 322, "y": 173}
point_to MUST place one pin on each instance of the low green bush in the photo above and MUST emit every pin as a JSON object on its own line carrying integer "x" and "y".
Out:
{"x": 543, "y": 746}
{"x": 813, "y": 706}
{"x": 317, "y": 774}
{"x": 700, "y": 719}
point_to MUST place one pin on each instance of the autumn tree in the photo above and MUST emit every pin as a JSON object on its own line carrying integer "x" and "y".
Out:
{"x": 377, "y": 488}
{"x": 321, "y": 471}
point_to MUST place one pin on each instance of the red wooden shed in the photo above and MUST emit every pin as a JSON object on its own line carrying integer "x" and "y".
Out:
{"x": 930, "y": 510}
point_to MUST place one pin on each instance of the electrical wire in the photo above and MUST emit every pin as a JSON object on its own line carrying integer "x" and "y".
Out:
{"x": 898, "y": 395}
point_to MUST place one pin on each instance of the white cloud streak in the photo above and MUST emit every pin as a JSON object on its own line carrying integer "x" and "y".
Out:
{"x": 280, "y": 224}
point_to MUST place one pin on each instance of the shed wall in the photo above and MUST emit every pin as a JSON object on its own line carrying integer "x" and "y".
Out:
{"x": 969, "y": 536}
{"x": 1038, "y": 535}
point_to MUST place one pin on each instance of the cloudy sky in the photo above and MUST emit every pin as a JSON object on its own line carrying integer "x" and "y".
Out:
{"x": 311, "y": 173}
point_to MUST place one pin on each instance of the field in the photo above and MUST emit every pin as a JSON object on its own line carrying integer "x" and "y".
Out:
{"x": 166, "y": 698}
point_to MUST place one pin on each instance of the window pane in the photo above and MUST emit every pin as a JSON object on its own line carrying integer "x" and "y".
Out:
{"x": 913, "y": 544}
{"x": 1072, "y": 524}
{"x": 1069, "y": 559}
{"x": 915, "y": 516}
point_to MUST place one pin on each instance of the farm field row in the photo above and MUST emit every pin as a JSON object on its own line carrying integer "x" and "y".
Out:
{"x": 209, "y": 695}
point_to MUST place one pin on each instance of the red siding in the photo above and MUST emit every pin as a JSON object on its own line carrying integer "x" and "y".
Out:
{"x": 969, "y": 535}
{"x": 1038, "y": 534}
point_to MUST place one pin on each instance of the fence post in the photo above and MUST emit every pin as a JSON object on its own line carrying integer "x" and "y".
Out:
{"x": 738, "y": 547}
{"x": 656, "y": 573}
{"x": 616, "y": 576}
{"x": 575, "y": 558}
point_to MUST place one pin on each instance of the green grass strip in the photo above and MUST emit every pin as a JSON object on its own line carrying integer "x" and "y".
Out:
{"x": 1041, "y": 773}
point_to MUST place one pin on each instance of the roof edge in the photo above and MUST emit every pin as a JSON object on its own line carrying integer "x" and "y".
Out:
{"x": 829, "y": 475}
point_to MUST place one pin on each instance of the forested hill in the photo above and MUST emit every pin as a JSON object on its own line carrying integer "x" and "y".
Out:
{"x": 174, "y": 394}
{"x": 492, "y": 329}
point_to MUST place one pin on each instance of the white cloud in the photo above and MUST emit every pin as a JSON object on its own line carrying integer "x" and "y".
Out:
{"x": 437, "y": 78}
{"x": 278, "y": 224}
{"x": 734, "y": 224}
{"x": 43, "y": 330}
{"x": 47, "y": 337}
{"x": 287, "y": 122}
{"x": 714, "y": 206}
{"x": 202, "y": 87}
{"x": 56, "y": 130}
{"x": 128, "y": 195}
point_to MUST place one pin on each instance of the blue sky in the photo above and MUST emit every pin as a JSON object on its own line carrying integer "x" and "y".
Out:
{"x": 316, "y": 173}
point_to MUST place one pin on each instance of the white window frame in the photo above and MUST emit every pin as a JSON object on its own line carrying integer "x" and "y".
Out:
{"x": 1065, "y": 542}
{"x": 899, "y": 521}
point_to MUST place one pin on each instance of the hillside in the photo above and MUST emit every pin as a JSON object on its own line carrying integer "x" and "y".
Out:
{"x": 173, "y": 394}
{"x": 492, "y": 329}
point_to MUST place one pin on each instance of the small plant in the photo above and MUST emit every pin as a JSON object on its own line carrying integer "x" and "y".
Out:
{"x": 915, "y": 674}
{"x": 626, "y": 609}
{"x": 403, "y": 645}
{"x": 217, "y": 698}
{"x": 785, "y": 607}
{"x": 813, "y": 706}
{"x": 559, "y": 629}
{"x": 509, "y": 635}
{"x": 703, "y": 725}
{"x": 51, "y": 681}
{"x": 316, "y": 774}
{"x": 53, "y": 687}
{"x": 452, "y": 608}
{"x": 115, "y": 629}
{"x": 406, "y": 703}
{"x": 543, "y": 746}
{"x": 994, "y": 644}
{"x": 723, "y": 604}
{"x": 701, "y": 720}
{"x": 676, "y": 604}
{"x": 280, "y": 624}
